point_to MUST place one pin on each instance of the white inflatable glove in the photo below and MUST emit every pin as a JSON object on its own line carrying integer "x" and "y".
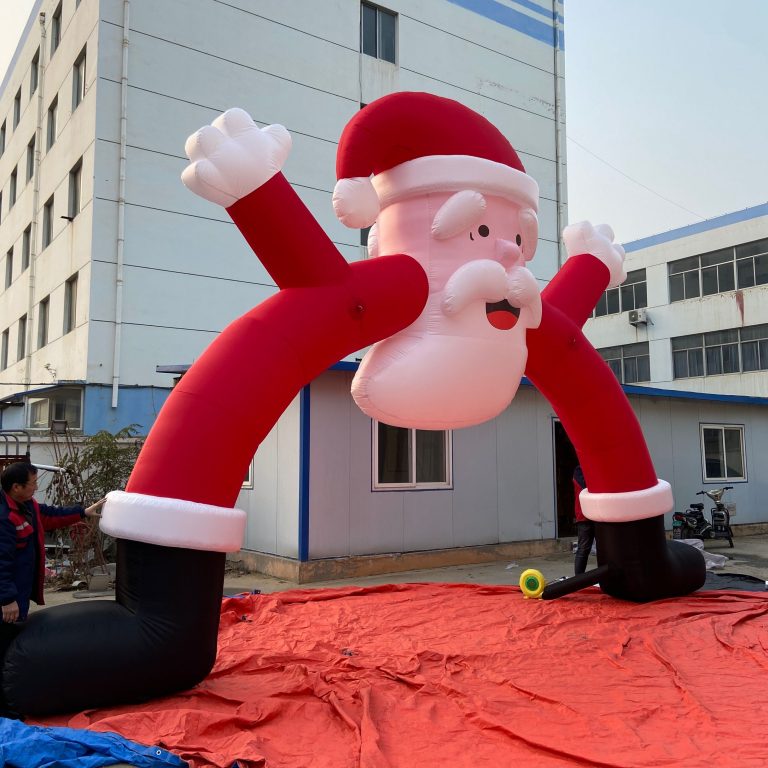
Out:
{"x": 584, "y": 238}
{"x": 233, "y": 156}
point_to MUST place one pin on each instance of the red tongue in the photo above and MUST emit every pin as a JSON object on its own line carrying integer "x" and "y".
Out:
{"x": 502, "y": 320}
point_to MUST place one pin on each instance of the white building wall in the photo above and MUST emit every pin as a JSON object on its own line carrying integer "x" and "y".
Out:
{"x": 187, "y": 271}
{"x": 502, "y": 486}
{"x": 272, "y": 502}
{"x": 732, "y": 309}
{"x": 70, "y": 249}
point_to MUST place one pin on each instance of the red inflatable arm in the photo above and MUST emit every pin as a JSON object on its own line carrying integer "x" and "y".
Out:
{"x": 570, "y": 373}
{"x": 326, "y": 309}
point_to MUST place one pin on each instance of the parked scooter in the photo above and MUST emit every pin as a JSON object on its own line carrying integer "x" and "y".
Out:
{"x": 692, "y": 524}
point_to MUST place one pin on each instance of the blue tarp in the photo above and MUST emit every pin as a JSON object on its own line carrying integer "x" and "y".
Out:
{"x": 30, "y": 746}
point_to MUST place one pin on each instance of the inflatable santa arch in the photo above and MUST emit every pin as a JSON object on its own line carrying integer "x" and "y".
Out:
{"x": 456, "y": 318}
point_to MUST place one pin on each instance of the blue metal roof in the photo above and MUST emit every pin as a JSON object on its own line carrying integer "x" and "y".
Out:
{"x": 701, "y": 226}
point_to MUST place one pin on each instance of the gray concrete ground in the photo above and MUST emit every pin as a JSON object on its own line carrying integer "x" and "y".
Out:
{"x": 749, "y": 556}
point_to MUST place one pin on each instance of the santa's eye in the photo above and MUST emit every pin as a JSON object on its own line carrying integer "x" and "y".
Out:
{"x": 483, "y": 231}
{"x": 518, "y": 239}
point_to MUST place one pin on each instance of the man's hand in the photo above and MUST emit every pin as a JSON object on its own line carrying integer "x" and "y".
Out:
{"x": 11, "y": 613}
{"x": 95, "y": 509}
{"x": 233, "y": 156}
{"x": 584, "y": 238}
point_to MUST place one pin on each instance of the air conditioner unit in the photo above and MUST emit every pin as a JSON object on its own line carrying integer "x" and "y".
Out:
{"x": 638, "y": 316}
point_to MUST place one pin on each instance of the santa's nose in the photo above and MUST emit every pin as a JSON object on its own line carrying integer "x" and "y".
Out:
{"x": 508, "y": 253}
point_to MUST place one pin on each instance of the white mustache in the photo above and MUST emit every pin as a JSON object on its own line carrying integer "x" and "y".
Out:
{"x": 488, "y": 281}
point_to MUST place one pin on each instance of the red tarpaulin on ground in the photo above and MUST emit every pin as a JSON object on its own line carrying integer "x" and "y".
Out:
{"x": 419, "y": 675}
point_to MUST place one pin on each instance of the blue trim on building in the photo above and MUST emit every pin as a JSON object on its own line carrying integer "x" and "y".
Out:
{"x": 345, "y": 365}
{"x": 135, "y": 405}
{"x": 701, "y": 226}
{"x": 520, "y": 22}
{"x": 680, "y": 394}
{"x": 304, "y": 456}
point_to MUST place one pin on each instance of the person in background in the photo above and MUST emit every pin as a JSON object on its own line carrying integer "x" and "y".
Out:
{"x": 585, "y": 529}
{"x": 23, "y": 523}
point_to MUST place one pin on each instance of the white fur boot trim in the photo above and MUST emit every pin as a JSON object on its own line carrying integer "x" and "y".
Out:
{"x": 628, "y": 505}
{"x": 172, "y": 522}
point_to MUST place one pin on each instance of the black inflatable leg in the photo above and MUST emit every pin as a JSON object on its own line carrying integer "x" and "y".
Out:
{"x": 645, "y": 566}
{"x": 158, "y": 637}
{"x": 574, "y": 583}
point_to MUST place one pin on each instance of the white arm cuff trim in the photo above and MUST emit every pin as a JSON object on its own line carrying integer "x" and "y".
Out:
{"x": 172, "y": 522}
{"x": 629, "y": 505}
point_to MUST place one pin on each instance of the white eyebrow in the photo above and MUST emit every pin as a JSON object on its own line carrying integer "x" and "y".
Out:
{"x": 458, "y": 213}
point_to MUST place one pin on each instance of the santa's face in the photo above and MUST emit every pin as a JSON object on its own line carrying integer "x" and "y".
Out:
{"x": 461, "y": 362}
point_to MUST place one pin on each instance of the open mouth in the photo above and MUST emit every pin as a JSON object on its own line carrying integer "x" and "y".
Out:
{"x": 502, "y": 315}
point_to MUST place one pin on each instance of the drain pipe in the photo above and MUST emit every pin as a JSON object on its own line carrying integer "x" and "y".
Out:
{"x": 121, "y": 209}
{"x": 559, "y": 137}
{"x": 35, "y": 204}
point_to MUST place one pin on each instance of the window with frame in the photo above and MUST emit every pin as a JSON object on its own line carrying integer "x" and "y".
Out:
{"x": 630, "y": 363}
{"x": 631, "y": 294}
{"x": 410, "y": 458}
{"x": 12, "y": 188}
{"x": 70, "y": 303}
{"x": 78, "y": 80}
{"x": 4, "y": 349}
{"x": 21, "y": 341}
{"x": 26, "y": 247}
{"x": 754, "y": 348}
{"x": 75, "y": 184}
{"x": 34, "y": 73}
{"x": 684, "y": 280}
{"x": 737, "y": 350}
{"x": 17, "y": 108}
{"x": 50, "y": 127}
{"x": 248, "y": 479}
{"x": 60, "y": 405}
{"x": 42, "y": 321}
{"x": 722, "y": 452}
{"x": 9, "y": 267}
{"x": 742, "y": 266}
{"x": 47, "y": 234}
{"x": 56, "y": 29}
{"x": 717, "y": 275}
{"x": 688, "y": 356}
{"x": 378, "y": 32}
{"x": 2, "y": 139}
{"x": 721, "y": 352}
{"x": 30, "y": 159}
{"x": 752, "y": 264}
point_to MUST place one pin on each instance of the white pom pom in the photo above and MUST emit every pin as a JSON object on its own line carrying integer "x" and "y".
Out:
{"x": 355, "y": 202}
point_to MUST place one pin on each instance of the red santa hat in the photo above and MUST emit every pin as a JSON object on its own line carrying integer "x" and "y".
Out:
{"x": 414, "y": 143}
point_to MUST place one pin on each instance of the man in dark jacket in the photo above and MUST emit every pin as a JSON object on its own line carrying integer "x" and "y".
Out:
{"x": 585, "y": 528}
{"x": 23, "y": 523}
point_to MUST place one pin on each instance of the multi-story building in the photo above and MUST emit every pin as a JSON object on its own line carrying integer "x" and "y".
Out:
{"x": 690, "y": 325}
{"x": 113, "y": 269}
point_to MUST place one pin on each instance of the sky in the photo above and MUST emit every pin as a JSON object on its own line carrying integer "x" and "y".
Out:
{"x": 666, "y": 105}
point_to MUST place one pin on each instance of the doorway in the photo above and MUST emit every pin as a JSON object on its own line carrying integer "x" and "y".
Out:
{"x": 565, "y": 462}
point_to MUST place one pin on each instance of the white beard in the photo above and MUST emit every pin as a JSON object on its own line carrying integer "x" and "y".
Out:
{"x": 427, "y": 380}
